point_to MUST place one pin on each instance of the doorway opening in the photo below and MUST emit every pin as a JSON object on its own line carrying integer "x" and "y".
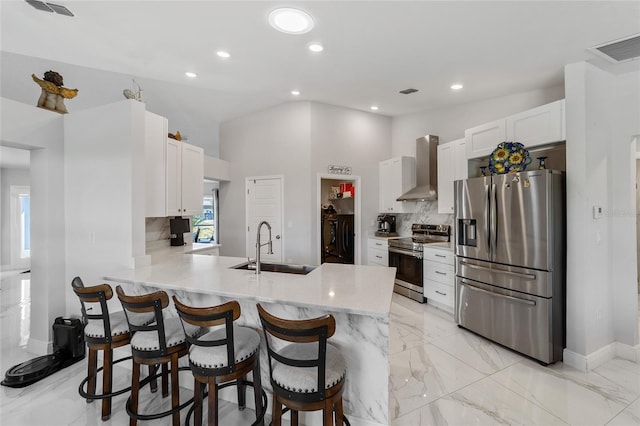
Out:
{"x": 20, "y": 226}
{"x": 338, "y": 218}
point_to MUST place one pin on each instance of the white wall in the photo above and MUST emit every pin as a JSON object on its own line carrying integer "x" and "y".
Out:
{"x": 347, "y": 137}
{"x": 275, "y": 141}
{"x": 603, "y": 115}
{"x": 299, "y": 140}
{"x": 8, "y": 178}
{"x": 41, "y": 131}
{"x": 97, "y": 87}
{"x": 450, "y": 123}
{"x": 104, "y": 191}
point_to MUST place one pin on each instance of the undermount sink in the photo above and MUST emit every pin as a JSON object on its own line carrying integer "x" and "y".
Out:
{"x": 277, "y": 267}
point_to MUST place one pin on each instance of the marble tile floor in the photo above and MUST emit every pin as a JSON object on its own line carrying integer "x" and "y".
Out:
{"x": 440, "y": 375}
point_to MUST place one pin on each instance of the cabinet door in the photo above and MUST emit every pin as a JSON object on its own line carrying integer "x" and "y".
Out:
{"x": 155, "y": 149}
{"x": 385, "y": 186}
{"x": 173, "y": 176}
{"x": 538, "y": 126}
{"x": 192, "y": 180}
{"x": 445, "y": 178}
{"x": 460, "y": 164}
{"x": 480, "y": 141}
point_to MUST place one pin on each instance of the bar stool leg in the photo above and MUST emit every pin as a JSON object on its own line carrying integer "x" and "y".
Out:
{"x": 339, "y": 413}
{"x": 153, "y": 369}
{"x": 165, "y": 383}
{"x": 242, "y": 393}
{"x": 175, "y": 389}
{"x": 276, "y": 414}
{"x": 327, "y": 413}
{"x": 213, "y": 401}
{"x": 294, "y": 418}
{"x": 198, "y": 392}
{"x": 135, "y": 389}
{"x": 257, "y": 387}
{"x": 92, "y": 366}
{"x": 107, "y": 378}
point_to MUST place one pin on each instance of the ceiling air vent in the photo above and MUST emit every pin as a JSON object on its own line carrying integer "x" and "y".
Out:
{"x": 50, "y": 7}
{"x": 408, "y": 91}
{"x": 622, "y": 50}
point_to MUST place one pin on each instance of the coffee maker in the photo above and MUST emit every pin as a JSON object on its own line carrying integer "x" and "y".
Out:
{"x": 386, "y": 226}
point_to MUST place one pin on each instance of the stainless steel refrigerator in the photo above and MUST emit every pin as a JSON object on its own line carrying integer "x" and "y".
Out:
{"x": 510, "y": 260}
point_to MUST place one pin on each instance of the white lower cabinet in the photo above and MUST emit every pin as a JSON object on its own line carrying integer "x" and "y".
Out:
{"x": 439, "y": 277}
{"x": 378, "y": 252}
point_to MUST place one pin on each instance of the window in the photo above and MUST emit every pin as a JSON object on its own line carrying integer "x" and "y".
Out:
{"x": 205, "y": 226}
{"x": 20, "y": 226}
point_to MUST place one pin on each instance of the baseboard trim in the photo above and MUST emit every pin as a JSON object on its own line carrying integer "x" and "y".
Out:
{"x": 39, "y": 347}
{"x": 602, "y": 355}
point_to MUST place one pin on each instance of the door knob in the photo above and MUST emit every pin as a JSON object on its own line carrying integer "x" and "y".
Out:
{"x": 277, "y": 237}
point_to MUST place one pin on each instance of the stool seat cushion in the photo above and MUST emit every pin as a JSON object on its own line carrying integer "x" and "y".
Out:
{"x": 305, "y": 379}
{"x": 246, "y": 342}
{"x": 118, "y": 322}
{"x": 175, "y": 335}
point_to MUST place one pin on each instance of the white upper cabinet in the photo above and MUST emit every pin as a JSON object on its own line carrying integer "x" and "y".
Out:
{"x": 538, "y": 126}
{"x": 452, "y": 166}
{"x": 174, "y": 181}
{"x": 185, "y": 179}
{"x": 482, "y": 140}
{"x": 397, "y": 176}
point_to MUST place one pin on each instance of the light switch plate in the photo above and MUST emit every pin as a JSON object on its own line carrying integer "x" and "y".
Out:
{"x": 597, "y": 212}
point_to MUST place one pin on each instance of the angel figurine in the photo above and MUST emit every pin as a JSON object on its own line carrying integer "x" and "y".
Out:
{"x": 53, "y": 94}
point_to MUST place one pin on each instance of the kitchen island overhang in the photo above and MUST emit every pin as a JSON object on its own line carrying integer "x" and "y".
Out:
{"x": 359, "y": 297}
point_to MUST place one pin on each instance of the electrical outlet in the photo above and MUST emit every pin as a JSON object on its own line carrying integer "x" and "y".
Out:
{"x": 597, "y": 212}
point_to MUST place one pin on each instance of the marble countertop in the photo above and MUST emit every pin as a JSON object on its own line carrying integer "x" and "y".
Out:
{"x": 352, "y": 289}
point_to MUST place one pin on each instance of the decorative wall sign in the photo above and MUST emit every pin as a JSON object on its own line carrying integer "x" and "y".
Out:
{"x": 339, "y": 170}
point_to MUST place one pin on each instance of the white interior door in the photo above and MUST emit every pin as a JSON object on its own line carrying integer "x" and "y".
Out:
{"x": 264, "y": 202}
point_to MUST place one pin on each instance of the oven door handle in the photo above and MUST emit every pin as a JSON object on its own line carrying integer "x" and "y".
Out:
{"x": 502, "y": 296}
{"x": 416, "y": 254}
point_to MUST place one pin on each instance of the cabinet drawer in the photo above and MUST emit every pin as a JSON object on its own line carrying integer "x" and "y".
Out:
{"x": 440, "y": 256}
{"x": 378, "y": 257}
{"x": 439, "y": 272}
{"x": 379, "y": 244}
{"x": 440, "y": 293}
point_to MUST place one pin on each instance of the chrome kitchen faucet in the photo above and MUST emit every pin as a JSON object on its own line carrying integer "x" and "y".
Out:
{"x": 258, "y": 245}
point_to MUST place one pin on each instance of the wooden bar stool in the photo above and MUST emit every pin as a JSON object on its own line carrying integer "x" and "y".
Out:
{"x": 161, "y": 342}
{"x": 222, "y": 356}
{"x": 307, "y": 374}
{"x": 103, "y": 331}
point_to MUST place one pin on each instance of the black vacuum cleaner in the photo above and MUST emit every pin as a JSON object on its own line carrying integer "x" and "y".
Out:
{"x": 68, "y": 348}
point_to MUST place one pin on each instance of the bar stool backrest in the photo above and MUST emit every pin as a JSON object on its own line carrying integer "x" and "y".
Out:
{"x": 299, "y": 331}
{"x": 224, "y": 314}
{"x": 153, "y": 302}
{"x": 90, "y": 295}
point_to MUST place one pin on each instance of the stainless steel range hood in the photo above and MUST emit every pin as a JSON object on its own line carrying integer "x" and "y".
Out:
{"x": 426, "y": 171}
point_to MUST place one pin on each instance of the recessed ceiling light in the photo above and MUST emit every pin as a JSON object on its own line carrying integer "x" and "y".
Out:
{"x": 315, "y": 47}
{"x": 291, "y": 21}
{"x": 457, "y": 86}
{"x": 374, "y": 108}
{"x": 223, "y": 54}
{"x": 191, "y": 74}
{"x": 295, "y": 92}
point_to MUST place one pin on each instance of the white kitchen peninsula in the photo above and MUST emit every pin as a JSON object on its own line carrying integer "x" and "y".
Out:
{"x": 359, "y": 297}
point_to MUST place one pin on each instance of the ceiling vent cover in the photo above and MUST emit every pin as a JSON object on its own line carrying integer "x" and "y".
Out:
{"x": 408, "y": 91}
{"x": 620, "y": 50}
{"x": 50, "y": 7}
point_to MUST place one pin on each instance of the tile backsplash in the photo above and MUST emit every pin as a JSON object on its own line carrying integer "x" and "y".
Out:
{"x": 427, "y": 212}
{"x": 157, "y": 232}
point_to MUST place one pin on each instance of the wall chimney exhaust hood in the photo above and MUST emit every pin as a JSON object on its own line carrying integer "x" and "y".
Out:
{"x": 426, "y": 171}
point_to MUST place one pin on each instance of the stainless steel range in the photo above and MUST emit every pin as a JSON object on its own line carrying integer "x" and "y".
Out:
{"x": 405, "y": 254}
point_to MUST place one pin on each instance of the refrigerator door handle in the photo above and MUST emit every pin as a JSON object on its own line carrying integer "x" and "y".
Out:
{"x": 487, "y": 218}
{"x": 494, "y": 220}
{"x": 500, "y": 271}
{"x": 502, "y": 296}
